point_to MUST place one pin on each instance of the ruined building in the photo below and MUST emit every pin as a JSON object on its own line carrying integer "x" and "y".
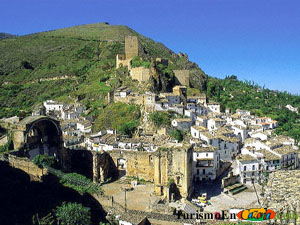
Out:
{"x": 131, "y": 50}
{"x": 131, "y": 47}
{"x": 169, "y": 168}
{"x": 182, "y": 77}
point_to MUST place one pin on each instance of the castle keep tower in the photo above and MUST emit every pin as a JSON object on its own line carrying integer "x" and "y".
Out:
{"x": 131, "y": 47}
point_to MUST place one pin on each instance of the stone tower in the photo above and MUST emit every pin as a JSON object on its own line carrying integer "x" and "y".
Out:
{"x": 131, "y": 47}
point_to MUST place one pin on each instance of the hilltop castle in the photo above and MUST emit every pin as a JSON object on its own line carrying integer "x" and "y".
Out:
{"x": 140, "y": 73}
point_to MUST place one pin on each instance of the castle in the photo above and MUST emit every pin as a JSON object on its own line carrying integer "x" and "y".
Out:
{"x": 142, "y": 74}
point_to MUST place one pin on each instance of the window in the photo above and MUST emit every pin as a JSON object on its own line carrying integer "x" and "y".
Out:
{"x": 253, "y": 167}
{"x": 206, "y": 154}
{"x": 203, "y": 171}
{"x": 245, "y": 168}
{"x": 178, "y": 180}
{"x": 197, "y": 171}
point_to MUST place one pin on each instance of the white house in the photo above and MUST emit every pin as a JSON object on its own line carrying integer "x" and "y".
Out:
{"x": 240, "y": 131}
{"x": 214, "y": 123}
{"x": 214, "y": 107}
{"x": 182, "y": 123}
{"x": 206, "y": 162}
{"x": 84, "y": 126}
{"x": 51, "y": 105}
{"x": 291, "y": 108}
{"x": 249, "y": 169}
{"x": 172, "y": 98}
{"x": 201, "y": 121}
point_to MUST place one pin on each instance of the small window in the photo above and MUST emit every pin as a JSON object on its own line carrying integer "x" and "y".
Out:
{"x": 203, "y": 171}
{"x": 206, "y": 154}
{"x": 245, "y": 168}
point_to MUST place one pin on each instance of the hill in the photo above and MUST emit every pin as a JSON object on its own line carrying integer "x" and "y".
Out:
{"x": 77, "y": 61}
{"x": 5, "y": 35}
{"x": 234, "y": 94}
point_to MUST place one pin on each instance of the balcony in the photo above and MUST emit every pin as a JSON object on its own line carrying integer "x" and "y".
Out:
{"x": 204, "y": 164}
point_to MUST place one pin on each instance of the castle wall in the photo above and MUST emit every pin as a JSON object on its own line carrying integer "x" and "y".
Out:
{"x": 121, "y": 60}
{"x": 140, "y": 73}
{"x": 182, "y": 77}
{"x": 131, "y": 47}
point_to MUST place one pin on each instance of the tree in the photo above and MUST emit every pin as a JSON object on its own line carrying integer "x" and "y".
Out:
{"x": 73, "y": 213}
{"x": 44, "y": 160}
{"x": 177, "y": 134}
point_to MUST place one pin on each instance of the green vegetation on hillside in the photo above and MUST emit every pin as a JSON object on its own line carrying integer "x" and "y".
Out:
{"x": 161, "y": 118}
{"x": 235, "y": 94}
{"x": 82, "y": 60}
{"x": 73, "y": 213}
{"x": 120, "y": 116}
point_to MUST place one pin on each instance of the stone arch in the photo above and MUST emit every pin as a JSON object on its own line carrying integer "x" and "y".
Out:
{"x": 38, "y": 135}
{"x": 43, "y": 137}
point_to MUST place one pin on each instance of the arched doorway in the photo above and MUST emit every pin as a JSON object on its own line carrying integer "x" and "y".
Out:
{"x": 43, "y": 137}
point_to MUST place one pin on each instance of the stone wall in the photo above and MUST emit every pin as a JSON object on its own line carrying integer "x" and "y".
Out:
{"x": 160, "y": 167}
{"x": 140, "y": 73}
{"x": 182, "y": 77}
{"x": 138, "y": 164}
{"x": 104, "y": 167}
{"x": 3, "y": 140}
{"x": 131, "y": 47}
{"x": 230, "y": 180}
{"x": 25, "y": 165}
{"x": 18, "y": 139}
{"x": 130, "y": 99}
{"x": 121, "y": 60}
{"x": 173, "y": 165}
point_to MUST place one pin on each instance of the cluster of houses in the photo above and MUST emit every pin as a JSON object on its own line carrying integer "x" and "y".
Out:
{"x": 74, "y": 126}
{"x": 240, "y": 139}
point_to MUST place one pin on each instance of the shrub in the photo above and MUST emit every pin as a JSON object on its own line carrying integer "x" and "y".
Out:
{"x": 177, "y": 134}
{"x": 160, "y": 118}
{"x": 44, "y": 160}
{"x": 73, "y": 213}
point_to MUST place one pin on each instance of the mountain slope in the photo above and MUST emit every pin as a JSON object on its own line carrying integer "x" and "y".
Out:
{"x": 77, "y": 61}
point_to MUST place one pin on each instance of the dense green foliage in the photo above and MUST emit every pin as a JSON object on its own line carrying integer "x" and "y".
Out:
{"x": 137, "y": 61}
{"x": 120, "y": 116}
{"x": 77, "y": 182}
{"x": 160, "y": 118}
{"x": 73, "y": 213}
{"x": 235, "y": 94}
{"x": 44, "y": 160}
{"x": 177, "y": 134}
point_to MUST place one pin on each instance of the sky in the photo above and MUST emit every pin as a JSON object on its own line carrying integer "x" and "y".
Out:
{"x": 257, "y": 40}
